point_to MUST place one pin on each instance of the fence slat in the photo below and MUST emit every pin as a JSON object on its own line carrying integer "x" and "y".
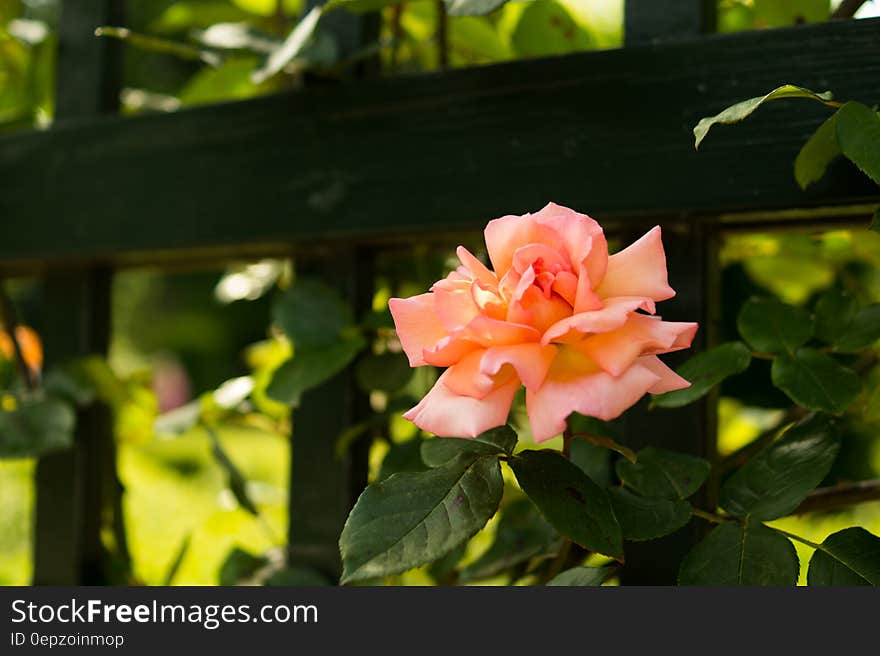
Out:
{"x": 692, "y": 259}
{"x": 78, "y": 491}
{"x": 606, "y": 132}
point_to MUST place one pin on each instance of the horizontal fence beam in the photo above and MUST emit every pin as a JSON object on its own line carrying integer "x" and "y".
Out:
{"x": 606, "y": 132}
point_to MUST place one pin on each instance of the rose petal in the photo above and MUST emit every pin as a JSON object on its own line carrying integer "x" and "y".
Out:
{"x": 466, "y": 377}
{"x": 476, "y": 268}
{"x": 583, "y": 238}
{"x": 530, "y": 361}
{"x": 417, "y": 325}
{"x": 505, "y": 235}
{"x": 610, "y": 317}
{"x": 669, "y": 380}
{"x": 641, "y": 335}
{"x": 638, "y": 270}
{"x": 444, "y": 413}
{"x": 596, "y": 394}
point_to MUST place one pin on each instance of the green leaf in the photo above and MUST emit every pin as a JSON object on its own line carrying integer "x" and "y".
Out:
{"x": 858, "y": 133}
{"x": 240, "y": 566}
{"x": 522, "y": 534}
{"x": 442, "y": 570}
{"x": 820, "y": 150}
{"x": 741, "y": 110}
{"x": 775, "y": 481}
{"x": 741, "y": 554}
{"x": 437, "y": 451}
{"x": 773, "y": 327}
{"x": 861, "y": 332}
{"x": 848, "y": 557}
{"x": 401, "y": 457}
{"x": 581, "y": 576}
{"x": 666, "y": 474}
{"x": 293, "y": 45}
{"x": 547, "y": 28}
{"x": 815, "y": 380}
{"x": 387, "y": 372}
{"x": 311, "y": 313}
{"x": 834, "y": 311}
{"x": 310, "y": 367}
{"x": 413, "y": 518}
{"x": 472, "y": 7}
{"x": 565, "y": 495}
{"x": 704, "y": 371}
{"x": 36, "y": 427}
{"x": 174, "y": 567}
{"x": 594, "y": 461}
{"x": 647, "y": 518}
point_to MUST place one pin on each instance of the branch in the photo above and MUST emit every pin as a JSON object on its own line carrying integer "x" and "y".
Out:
{"x": 840, "y": 496}
{"x": 442, "y": 35}
{"x": 10, "y": 325}
{"x": 847, "y": 9}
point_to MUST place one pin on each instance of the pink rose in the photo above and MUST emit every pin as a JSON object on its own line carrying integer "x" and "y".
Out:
{"x": 557, "y": 315}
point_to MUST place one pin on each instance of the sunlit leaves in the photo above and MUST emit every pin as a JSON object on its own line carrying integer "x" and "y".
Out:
{"x": 817, "y": 153}
{"x": 705, "y": 371}
{"x": 293, "y": 45}
{"x": 773, "y": 327}
{"x": 33, "y": 427}
{"x": 741, "y": 110}
{"x": 858, "y": 134}
{"x": 815, "y": 380}
{"x": 741, "y": 554}
{"x": 848, "y": 557}
{"x": 581, "y": 576}
{"x": 662, "y": 473}
{"x": 860, "y": 332}
{"x": 775, "y": 481}
{"x": 575, "y": 505}
{"x": 547, "y": 28}
{"x": 472, "y": 7}
{"x": 413, "y": 518}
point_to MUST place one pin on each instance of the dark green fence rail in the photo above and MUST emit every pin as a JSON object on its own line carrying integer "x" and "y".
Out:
{"x": 338, "y": 170}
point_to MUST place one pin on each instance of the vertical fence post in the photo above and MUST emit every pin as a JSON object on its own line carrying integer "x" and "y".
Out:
{"x": 323, "y": 488}
{"x": 691, "y": 248}
{"x": 78, "y": 491}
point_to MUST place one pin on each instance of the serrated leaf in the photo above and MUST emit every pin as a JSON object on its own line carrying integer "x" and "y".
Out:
{"x": 741, "y": 110}
{"x": 848, "y": 557}
{"x": 820, "y": 150}
{"x": 312, "y": 366}
{"x": 705, "y": 371}
{"x": 815, "y": 380}
{"x": 778, "y": 478}
{"x": 741, "y": 554}
{"x": 571, "y": 502}
{"x": 311, "y": 314}
{"x": 522, "y": 534}
{"x": 581, "y": 576}
{"x": 413, "y": 518}
{"x": 36, "y": 427}
{"x": 858, "y": 133}
{"x": 594, "y": 461}
{"x": 472, "y": 7}
{"x": 438, "y": 451}
{"x": 662, "y": 473}
{"x": 861, "y": 332}
{"x": 770, "y": 326}
{"x": 834, "y": 311}
{"x": 386, "y": 372}
{"x": 647, "y": 518}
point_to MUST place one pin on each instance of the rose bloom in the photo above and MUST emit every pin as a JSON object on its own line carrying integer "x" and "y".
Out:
{"x": 556, "y": 314}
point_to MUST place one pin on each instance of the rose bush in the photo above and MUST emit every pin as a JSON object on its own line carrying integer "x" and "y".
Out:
{"x": 556, "y": 314}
